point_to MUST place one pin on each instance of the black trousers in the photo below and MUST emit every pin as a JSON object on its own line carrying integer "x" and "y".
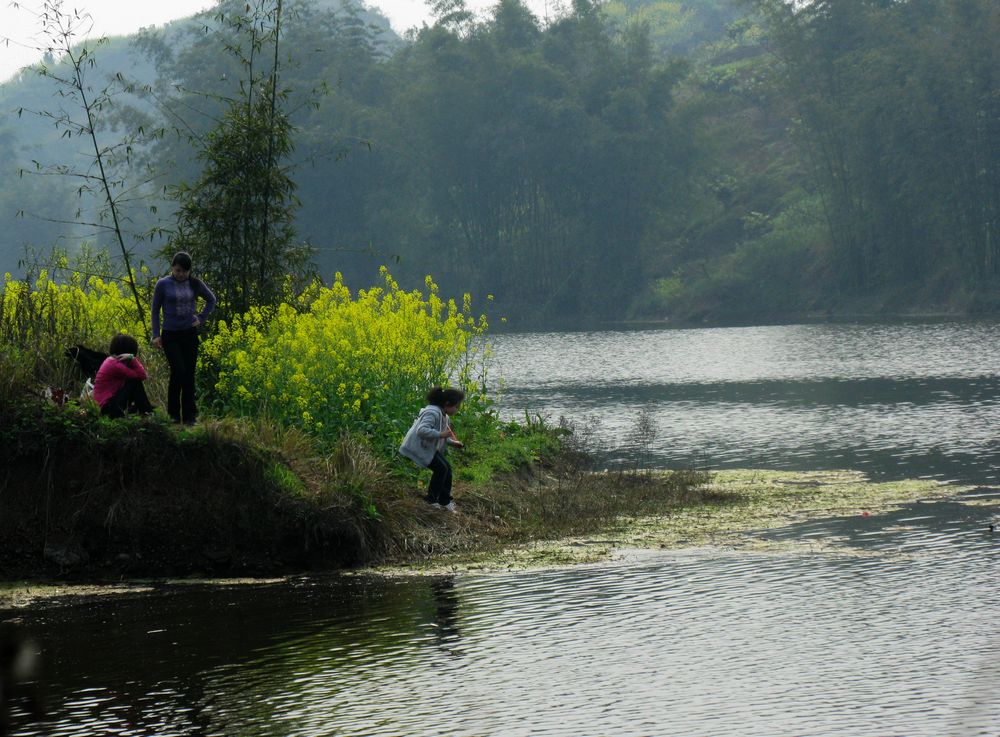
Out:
{"x": 130, "y": 399}
{"x": 181, "y": 350}
{"x": 439, "y": 489}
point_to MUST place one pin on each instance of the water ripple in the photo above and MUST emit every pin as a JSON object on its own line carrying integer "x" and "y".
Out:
{"x": 682, "y": 644}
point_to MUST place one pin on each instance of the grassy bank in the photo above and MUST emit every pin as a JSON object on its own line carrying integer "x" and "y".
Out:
{"x": 294, "y": 465}
{"x": 86, "y": 497}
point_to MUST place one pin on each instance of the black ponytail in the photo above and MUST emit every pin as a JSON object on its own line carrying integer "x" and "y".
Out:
{"x": 441, "y": 397}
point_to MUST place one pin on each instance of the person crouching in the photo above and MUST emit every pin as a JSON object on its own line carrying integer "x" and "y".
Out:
{"x": 427, "y": 438}
{"x": 118, "y": 387}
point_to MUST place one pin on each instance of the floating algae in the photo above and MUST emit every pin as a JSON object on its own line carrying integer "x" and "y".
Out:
{"x": 748, "y": 501}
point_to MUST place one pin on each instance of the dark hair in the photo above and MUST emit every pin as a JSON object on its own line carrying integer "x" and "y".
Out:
{"x": 445, "y": 397}
{"x": 183, "y": 260}
{"x": 122, "y": 343}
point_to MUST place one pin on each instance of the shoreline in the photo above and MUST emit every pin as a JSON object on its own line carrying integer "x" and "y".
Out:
{"x": 766, "y": 500}
{"x": 754, "y": 501}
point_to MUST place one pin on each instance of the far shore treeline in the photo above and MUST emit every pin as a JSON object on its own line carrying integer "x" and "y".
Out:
{"x": 700, "y": 160}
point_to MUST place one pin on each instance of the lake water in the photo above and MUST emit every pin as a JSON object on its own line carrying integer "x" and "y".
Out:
{"x": 906, "y": 400}
{"x": 894, "y": 632}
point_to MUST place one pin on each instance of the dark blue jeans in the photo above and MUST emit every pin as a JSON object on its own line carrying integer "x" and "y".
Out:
{"x": 439, "y": 489}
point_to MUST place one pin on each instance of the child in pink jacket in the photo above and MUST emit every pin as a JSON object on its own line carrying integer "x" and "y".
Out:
{"x": 118, "y": 386}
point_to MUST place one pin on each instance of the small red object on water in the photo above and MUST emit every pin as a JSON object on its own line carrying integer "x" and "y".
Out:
{"x": 864, "y": 514}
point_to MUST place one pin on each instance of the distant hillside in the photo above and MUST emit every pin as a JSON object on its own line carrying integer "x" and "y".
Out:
{"x": 678, "y": 28}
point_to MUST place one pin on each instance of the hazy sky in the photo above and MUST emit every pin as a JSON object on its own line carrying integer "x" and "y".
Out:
{"x": 118, "y": 17}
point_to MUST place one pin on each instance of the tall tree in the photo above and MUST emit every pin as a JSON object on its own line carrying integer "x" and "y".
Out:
{"x": 237, "y": 217}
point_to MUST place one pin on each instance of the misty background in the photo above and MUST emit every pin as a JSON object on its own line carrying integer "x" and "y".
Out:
{"x": 693, "y": 161}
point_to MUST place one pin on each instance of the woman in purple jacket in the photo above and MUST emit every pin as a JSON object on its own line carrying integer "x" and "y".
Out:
{"x": 177, "y": 296}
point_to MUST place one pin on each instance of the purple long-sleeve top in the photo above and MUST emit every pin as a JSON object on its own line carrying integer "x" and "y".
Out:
{"x": 179, "y": 302}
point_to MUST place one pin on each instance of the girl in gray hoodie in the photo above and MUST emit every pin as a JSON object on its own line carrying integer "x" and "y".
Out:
{"x": 427, "y": 438}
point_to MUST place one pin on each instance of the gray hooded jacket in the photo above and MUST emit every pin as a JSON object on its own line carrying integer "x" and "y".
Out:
{"x": 424, "y": 438}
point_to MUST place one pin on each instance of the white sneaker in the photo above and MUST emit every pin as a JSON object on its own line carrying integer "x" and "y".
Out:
{"x": 436, "y": 505}
{"x": 450, "y": 506}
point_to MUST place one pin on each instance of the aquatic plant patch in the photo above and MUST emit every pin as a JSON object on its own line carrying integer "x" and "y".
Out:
{"x": 766, "y": 500}
{"x": 736, "y": 504}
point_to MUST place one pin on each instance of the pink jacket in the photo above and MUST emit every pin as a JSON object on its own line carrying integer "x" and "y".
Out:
{"x": 111, "y": 377}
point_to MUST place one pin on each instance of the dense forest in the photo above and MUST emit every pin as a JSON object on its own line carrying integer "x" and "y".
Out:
{"x": 696, "y": 160}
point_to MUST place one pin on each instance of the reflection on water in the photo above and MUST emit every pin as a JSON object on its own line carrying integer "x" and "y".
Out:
{"x": 895, "y": 634}
{"x": 445, "y": 614}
